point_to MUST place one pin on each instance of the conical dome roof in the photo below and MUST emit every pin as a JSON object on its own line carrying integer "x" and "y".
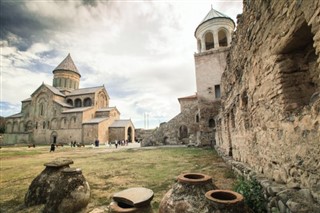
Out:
{"x": 213, "y": 14}
{"x": 68, "y": 65}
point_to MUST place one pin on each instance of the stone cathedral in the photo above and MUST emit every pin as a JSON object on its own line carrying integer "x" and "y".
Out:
{"x": 64, "y": 113}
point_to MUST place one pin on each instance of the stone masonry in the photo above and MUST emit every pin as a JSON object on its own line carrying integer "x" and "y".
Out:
{"x": 270, "y": 113}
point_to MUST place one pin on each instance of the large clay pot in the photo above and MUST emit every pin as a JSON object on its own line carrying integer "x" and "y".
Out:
{"x": 41, "y": 187}
{"x": 132, "y": 200}
{"x": 71, "y": 194}
{"x": 188, "y": 194}
{"x": 225, "y": 201}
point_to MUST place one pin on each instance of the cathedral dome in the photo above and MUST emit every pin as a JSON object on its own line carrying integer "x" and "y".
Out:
{"x": 67, "y": 65}
{"x": 66, "y": 75}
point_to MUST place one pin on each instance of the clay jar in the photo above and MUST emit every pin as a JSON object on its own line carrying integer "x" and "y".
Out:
{"x": 132, "y": 200}
{"x": 71, "y": 194}
{"x": 45, "y": 182}
{"x": 187, "y": 195}
{"x": 225, "y": 201}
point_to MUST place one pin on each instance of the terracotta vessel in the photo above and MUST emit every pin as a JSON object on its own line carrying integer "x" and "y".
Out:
{"x": 225, "y": 201}
{"x": 187, "y": 194}
{"x": 71, "y": 194}
{"x": 132, "y": 200}
{"x": 41, "y": 187}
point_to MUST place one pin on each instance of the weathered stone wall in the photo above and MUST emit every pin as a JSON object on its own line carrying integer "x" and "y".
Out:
{"x": 117, "y": 133}
{"x": 209, "y": 66}
{"x": 181, "y": 129}
{"x": 270, "y": 115}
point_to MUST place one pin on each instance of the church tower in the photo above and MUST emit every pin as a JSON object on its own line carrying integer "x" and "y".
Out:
{"x": 66, "y": 75}
{"x": 213, "y": 36}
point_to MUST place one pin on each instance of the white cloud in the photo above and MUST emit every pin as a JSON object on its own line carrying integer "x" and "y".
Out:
{"x": 141, "y": 51}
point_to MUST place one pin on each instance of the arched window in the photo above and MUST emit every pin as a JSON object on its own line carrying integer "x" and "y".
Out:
{"x": 8, "y": 127}
{"x": 63, "y": 82}
{"x": 129, "y": 134}
{"x": 15, "y": 127}
{"x": 102, "y": 100}
{"x": 222, "y": 36}
{"x": 183, "y": 132}
{"x": 73, "y": 122}
{"x": 197, "y": 118}
{"x": 43, "y": 125}
{"x": 63, "y": 123}
{"x": 212, "y": 123}
{"x": 78, "y": 102}
{"x": 29, "y": 126}
{"x": 209, "y": 41}
{"x": 54, "y": 124}
{"x": 41, "y": 109}
{"x": 69, "y": 101}
{"x": 22, "y": 128}
{"x": 87, "y": 102}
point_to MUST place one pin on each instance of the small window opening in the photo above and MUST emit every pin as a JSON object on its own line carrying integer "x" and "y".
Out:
{"x": 209, "y": 41}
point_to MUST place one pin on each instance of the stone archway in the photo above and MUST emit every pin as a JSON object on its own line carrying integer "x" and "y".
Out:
{"x": 165, "y": 140}
{"x": 183, "y": 131}
{"x": 129, "y": 133}
{"x": 54, "y": 137}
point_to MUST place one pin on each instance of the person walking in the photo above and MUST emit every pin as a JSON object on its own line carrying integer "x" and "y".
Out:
{"x": 52, "y": 147}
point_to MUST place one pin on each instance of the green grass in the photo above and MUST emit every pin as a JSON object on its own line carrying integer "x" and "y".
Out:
{"x": 108, "y": 172}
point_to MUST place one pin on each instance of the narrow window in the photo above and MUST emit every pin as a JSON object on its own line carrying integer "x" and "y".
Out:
{"x": 87, "y": 102}
{"x": 217, "y": 91}
{"x": 223, "y": 42}
{"x": 78, "y": 103}
{"x": 212, "y": 123}
{"x": 209, "y": 41}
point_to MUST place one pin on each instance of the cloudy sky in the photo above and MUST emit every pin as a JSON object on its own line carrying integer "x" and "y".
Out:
{"x": 142, "y": 51}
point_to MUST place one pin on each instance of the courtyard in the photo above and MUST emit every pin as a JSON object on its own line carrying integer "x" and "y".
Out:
{"x": 108, "y": 170}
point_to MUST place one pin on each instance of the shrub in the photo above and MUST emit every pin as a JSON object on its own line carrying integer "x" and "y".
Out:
{"x": 253, "y": 194}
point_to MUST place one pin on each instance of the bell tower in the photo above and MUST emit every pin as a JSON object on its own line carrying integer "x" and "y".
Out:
{"x": 213, "y": 36}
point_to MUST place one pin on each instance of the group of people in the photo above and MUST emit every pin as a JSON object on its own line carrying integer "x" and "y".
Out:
{"x": 73, "y": 143}
{"x": 96, "y": 144}
{"x": 121, "y": 143}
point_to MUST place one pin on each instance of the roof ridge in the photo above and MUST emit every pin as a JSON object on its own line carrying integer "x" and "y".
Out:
{"x": 89, "y": 87}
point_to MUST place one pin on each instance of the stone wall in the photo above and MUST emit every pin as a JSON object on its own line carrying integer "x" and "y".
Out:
{"x": 280, "y": 198}
{"x": 117, "y": 133}
{"x": 181, "y": 129}
{"x": 270, "y": 114}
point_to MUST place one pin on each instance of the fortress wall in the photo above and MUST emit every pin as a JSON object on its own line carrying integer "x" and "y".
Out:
{"x": 270, "y": 115}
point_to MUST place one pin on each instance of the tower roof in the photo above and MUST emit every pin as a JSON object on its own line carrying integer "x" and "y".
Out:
{"x": 213, "y": 14}
{"x": 68, "y": 65}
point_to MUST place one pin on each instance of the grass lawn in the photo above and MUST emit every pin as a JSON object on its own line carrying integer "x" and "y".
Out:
{"x": 108, "y": 171}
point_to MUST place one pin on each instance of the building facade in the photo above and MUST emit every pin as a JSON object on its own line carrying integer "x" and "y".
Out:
{"x": 195, "y": 124}
{"x": 65, "y": 113}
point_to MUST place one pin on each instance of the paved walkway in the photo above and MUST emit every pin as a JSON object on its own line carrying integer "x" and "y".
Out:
{"x": 131, "y": 146}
